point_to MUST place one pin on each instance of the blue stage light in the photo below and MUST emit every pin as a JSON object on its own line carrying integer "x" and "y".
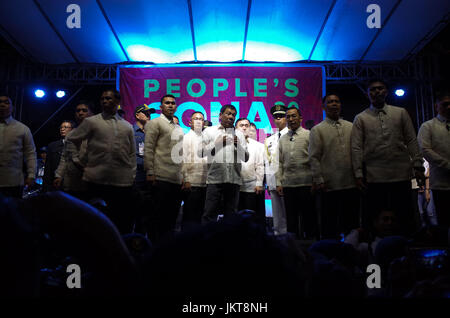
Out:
{"x": 60, "y": 94}
{"x": 39, "y": 93}
{"x": 400, "y": 92}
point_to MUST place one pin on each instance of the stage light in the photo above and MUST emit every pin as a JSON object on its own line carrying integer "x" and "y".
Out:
{"x": 39, "y": 93}
{"x": 400, "y": 92}
{"x": 60, "y": 94}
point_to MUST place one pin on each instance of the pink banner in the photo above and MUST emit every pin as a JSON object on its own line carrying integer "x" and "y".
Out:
{"x": 253, "y": 90}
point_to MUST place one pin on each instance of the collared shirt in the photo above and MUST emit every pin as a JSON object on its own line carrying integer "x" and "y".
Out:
{"x": 252, "y": 172}
{"x": 195, "y": 168}
{"x": 294, "y": 169}
{"x": 163, "y": 150}
{"x": 69, "y": 169}
{"x": 385, "y": 141}
{"x": 111, "y": 150}
{"x": 271, "y": 157}
{"x": 16, "y": 146}
{"x": 330, "y": 154}
{"x": 139, "y": 139}
{"x": 434, "y": 140}
{"x": 224, "y": 164}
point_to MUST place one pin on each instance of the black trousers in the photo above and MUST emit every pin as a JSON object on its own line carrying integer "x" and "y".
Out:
{"x": 194, "y": 205}
{"x": 14, "y": 192}
{"x": 301, "y": 218}
{"x": 340, "y": 212}
{"x": 442, "y": 206}
{"x": 121, "y": 207}
{"x": 394, "y": 196}
{"x": 255, "y": 202}
{"x": 146, "y": 220}
{"x": 214, "y": 194}
{"x": 167, "y": 198}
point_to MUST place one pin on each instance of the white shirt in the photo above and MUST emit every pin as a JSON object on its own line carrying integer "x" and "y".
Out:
{"x": 163, "y": 149}
{"x": 434, "y": 140}
{"x": 384, "y": 139}
{"x": 16, "y": 146}
{"x": 195, "y": 168}
{"x": 224, "y": 164}
{"x": 330, "y": 154}
{"x": 253, "y": 170}
{"x": 294, "y": 169}
{"x": 111, "y": 150}
{"x": 271, "y": 158}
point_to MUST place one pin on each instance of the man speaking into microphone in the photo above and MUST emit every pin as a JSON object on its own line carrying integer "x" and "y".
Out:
{"x": 225, "y": 149}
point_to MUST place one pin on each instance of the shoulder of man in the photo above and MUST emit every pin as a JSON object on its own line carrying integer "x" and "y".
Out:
{"x": 15, "y": 122}
{"x": 428, "y": 123}
{"x": 55, "y": 144}
{"x": 126, "y": 123}
{"x": 346, "y": 123}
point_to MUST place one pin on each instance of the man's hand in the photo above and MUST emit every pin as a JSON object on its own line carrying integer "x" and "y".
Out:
{"x": 280, "y": 191}
{"x": 151, "y": 179}
{"x": 259, "y": 190}
{"x": 220, "y": 142}
{"x": 57, "y": 183}
{"x": 420, "y": 177}
{"x": 427, "y": 195}
{"x": 29, "y": 182}
{"x": 360, "y": 184}
{"x": 186, "y": 186}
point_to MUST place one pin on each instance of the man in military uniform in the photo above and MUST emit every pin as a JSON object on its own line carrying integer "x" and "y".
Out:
{"x": 271, "y": 162}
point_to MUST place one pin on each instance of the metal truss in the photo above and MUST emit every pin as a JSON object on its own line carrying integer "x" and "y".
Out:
{"x": 84, "y": 74}
{"x": 418, "y": 69}
{"x": 92, "y": 74}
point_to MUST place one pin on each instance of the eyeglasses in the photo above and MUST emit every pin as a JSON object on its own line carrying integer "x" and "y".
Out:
{"x": 278, "y": 116}
{"x": 84, "y": 110}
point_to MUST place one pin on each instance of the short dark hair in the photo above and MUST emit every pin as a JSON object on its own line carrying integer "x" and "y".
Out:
{"x": 329, "y": 94}
{"x": 196, "y": 112}
{"x": 87, "y": 103}
{"x": 167, "y": 95}
{"x": 252, "y": 125}
{"x": 293, "y": 107}
{"x": 375, "y": 80}
{"x": 441, "y": 95}
{"x": 70, "y": 122}
{"x": 225, "y": 107}
{"x": 114, "y": 91}
{"x": 241, "y": 119}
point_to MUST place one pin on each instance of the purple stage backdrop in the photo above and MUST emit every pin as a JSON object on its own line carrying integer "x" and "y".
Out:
{"x": 253, "y": 90}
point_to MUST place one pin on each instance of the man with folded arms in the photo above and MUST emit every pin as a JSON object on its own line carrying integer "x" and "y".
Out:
{"x": 16, "y": 146}
{"x": 294, "y": 178}
{"x": 331, "y": 166}
{"x": 384, "y": 153}
{"x": 163, "y": 151}
{"x": 195, "y": 170}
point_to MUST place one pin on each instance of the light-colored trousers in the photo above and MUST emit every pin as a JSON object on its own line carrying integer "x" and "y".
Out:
{"x": 278, "y": 213}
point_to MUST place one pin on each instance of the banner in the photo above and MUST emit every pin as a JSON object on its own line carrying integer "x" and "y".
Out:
{"x": 253, "y": 90}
